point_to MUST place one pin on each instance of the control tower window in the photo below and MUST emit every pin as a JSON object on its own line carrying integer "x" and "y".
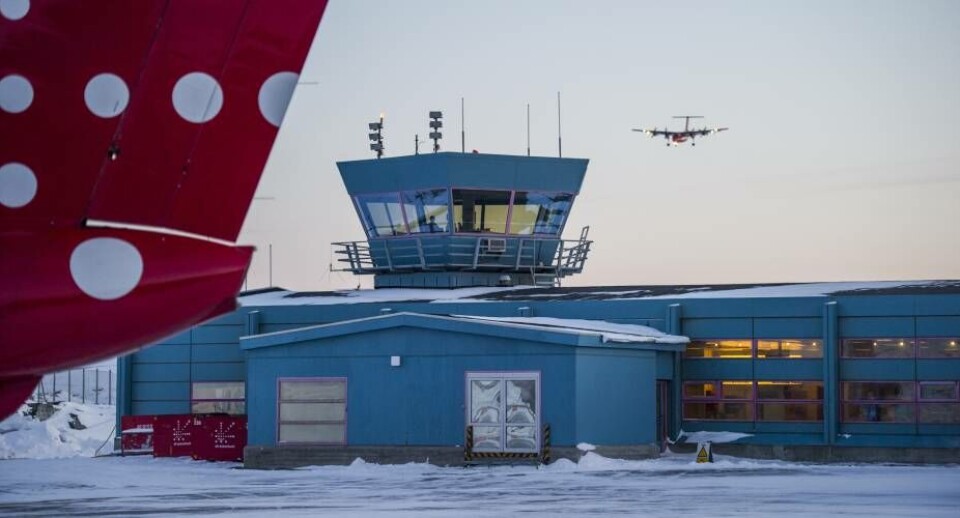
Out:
{"x": 427, "y": 211}
{"x": 381, "y": 214}
{"x": 480, "y": 211}
{"x": 539, "y": 212}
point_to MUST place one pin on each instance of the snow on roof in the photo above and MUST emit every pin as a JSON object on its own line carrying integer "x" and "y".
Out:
{"x": 608, "y": 331}
{"x": 281, "y": 297}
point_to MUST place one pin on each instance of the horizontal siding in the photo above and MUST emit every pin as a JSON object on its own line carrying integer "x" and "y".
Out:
{"x": 877, "y": 327}
{"x": 160, "y": 372}
{"x": 717, "y": 327}
{"x": 160, "y": 407}
{"x": 217, "y": 353}
{"x": 161, "y": 391}
{"x": 219, "y": 371}
{"x": 163, "y": 353}
{"x": 787, "y": 328}
{"x": 210, "y": 334}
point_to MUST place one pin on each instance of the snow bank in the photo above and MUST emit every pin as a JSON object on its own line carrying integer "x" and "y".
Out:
{"x": 715, "y": 437}
{"x": 24, "y": 437}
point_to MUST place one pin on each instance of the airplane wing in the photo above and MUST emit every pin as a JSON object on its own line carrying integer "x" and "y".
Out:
{"x": 655, "y": 132}
{"x": 706, "y": 131}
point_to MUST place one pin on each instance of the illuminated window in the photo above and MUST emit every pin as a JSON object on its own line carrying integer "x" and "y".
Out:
{"x": 789, "y": 401}
{"x": 732, "y": 402}
{"x": 729, "y": 349}
{"x": 938, "y": 347}
{"x": 480, "y": 211}
{"x": 789, "y": 348}
{"x": 878, "y": 401}
{"x": 382, "y": 215}
{"x": 312, "y": 411}
{"x": 427, "y": 211}
{"x": 539, "y": 213}
{"x": 878, "y": 348}
{"x": 218, "y": 397}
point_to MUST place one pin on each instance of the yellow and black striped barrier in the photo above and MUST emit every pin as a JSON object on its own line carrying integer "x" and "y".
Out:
{"x": 503, "y": 455}
{"x": 545, "y": 448}
{"x": 468, "y": 445}
{"x": 543, "y": 455}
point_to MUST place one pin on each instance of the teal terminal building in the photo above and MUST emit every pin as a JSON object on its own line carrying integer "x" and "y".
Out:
{"x": 469, "y": 349}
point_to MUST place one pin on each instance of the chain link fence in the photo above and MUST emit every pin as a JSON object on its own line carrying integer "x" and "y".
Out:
{"x": 96, "y": 386}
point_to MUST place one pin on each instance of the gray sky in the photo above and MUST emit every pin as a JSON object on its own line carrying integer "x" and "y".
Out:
{"x": 842, "y": 162}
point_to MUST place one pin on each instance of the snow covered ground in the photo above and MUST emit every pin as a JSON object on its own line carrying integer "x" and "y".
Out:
{"x": 671, "y": 486}
{"x": 25, "y": 437}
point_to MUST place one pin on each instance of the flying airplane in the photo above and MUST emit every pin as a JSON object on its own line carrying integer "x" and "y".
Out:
{"x": 675, "y": 138}
{"x": 132, "y": 138}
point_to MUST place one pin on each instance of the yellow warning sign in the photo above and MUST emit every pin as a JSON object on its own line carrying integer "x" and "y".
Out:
{"x": 703, "y": 453}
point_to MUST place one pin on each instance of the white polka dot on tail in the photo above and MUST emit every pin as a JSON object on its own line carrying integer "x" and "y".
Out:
{"x": 106, "y": 95}
{"x": 275, "y": 94}
{"x": 14, "y": 9}
{"x": 106, "y": 268}
{"x": 16, "y": 93}
{"x": 18, "y": 185}
{"x": 197, "y": 97}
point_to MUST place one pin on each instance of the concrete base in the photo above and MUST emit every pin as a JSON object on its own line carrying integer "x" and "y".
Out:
{"x": 830, "y": 454}
{"x": 285, "y": 457}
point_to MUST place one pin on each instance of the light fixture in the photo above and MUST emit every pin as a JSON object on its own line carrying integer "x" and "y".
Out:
{"x": 376, "y": 139}
{"x": 435, "y": 125}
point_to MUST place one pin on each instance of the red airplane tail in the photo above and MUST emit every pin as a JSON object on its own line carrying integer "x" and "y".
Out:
{"x": 155, "y": 114}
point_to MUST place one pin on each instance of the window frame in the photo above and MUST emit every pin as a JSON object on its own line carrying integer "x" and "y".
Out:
{"x": 719, "y": 399}
{"x": 780, "y": 341}
{"x": 406, "y": 218}
{"x": 453, "y": 215}
{"x": 563, "y": 224}
{"x": 752, "y": 356}
{"x": 912, "y": 402}
{"x": 367, "y": 225}
{"x": 951, "y": 339}
{"x": 782, "y": 401}
{"x": 194, "y": 399}
{"x": 346, "y": 413}
{"x": 753, "y": 403}
{"x": 843, "y": 352}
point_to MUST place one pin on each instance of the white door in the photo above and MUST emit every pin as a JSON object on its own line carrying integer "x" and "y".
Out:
{"x": 504, "y": 410}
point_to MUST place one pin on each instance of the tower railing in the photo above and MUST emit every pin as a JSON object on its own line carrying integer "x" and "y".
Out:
{"x": 525, "y": 254}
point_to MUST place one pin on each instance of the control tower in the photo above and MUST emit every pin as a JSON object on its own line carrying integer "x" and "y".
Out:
{"x": 453, "y": 220}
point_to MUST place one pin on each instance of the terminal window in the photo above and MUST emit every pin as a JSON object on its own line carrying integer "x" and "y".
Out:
{"x": 729, "y": 349}
{"x": 789, "y": 348}
{"x": 879, "y": 401}
{"x": 877, "y": 348}
{"x": 218, "y": 397}
{"x": 772, "y": 401}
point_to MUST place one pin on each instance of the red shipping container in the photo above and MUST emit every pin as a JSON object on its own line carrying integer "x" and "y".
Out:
{"x": 136, "y": 434}
{"x": 173, "y": 435}
{"x": 220, "y": 437}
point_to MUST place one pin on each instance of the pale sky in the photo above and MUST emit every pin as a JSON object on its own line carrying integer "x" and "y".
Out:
{"x": 842, "y": 161}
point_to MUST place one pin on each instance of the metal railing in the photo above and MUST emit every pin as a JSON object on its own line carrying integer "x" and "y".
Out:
{"x": 534, "y": 255}
{"x": 97, "y": 386}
